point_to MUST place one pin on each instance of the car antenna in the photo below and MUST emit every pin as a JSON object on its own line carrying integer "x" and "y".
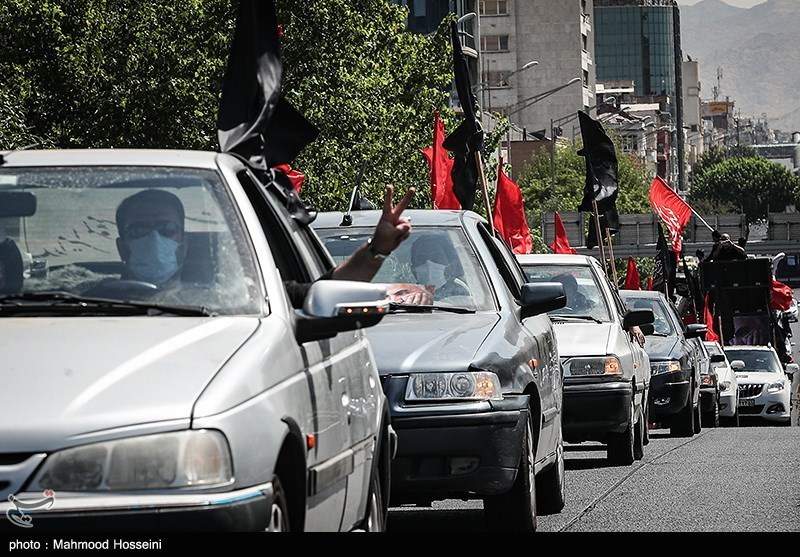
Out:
{"x": 355, "y": 197}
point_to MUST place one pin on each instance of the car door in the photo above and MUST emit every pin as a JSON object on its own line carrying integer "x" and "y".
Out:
{"x": 548, "y": 368}
{"x": 329, "y": 457}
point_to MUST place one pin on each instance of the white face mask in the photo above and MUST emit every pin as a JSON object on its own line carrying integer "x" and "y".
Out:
{"x": 431, "y": 273}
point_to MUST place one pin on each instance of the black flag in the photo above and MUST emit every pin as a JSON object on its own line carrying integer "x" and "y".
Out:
{"x": 601, "y": 183}
{"x": 664, "y": 266}
{"x": 467, "y": 138}
{"x": 254, "y": 120}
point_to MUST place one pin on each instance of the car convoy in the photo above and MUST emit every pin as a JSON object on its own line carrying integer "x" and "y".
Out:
{"x": 460, "y": 371}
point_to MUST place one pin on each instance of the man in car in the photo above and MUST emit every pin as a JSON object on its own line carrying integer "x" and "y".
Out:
{"x": 151, "y": 242}
{"x": 575, "y": 300}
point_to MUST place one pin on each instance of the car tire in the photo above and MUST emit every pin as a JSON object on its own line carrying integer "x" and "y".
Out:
{"x": 638, "y": 437}
{"x": 376, "y": 511}
{"x": 515, "y": 510}
{"x": 711, "y": 418}
{"x": 550, "y": 488}
{"x": 682, "y": 425}
{"x": 279, "y": 512}
{"x": 646, "y": 409}
{"x": 621, "y": 445}
{"x": 697, "y": 422}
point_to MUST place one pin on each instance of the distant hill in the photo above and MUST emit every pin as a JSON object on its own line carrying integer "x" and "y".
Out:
{"x": 757, "y": 51}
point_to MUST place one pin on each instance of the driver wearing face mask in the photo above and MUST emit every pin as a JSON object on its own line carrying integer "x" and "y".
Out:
{"x": 151, "y": 237}
{"x": 437, "y": 267}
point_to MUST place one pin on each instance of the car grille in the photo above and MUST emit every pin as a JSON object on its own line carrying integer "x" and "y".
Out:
{"x": 750, "y": 390}
{"x": 751, "y": 410}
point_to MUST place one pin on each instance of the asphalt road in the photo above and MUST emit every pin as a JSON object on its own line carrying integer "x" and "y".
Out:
{"x": 741, "y": 479}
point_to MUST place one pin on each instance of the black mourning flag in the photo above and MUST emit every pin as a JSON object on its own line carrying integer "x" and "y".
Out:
{"x": 467, "y": 138}
{"x": 601, "y": 178}
{"x": 254, "y": 120}
{"x": 664, "y": 266}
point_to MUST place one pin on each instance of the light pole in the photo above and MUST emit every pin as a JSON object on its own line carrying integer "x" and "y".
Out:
{"x": 488, "y": 85}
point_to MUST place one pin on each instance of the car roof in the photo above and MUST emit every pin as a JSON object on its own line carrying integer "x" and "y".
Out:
{"x": 114, "y": 157}
{"x": 749, "y": 347}
{"x": 555, "y": 258}
{"x": 430, "y": 217}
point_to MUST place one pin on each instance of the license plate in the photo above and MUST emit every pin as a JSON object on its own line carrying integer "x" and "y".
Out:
{"x": 747, "y": 402}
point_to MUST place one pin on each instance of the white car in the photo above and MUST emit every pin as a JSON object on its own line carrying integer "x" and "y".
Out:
{"x": 728, "y": 384}
{"x": 764, "y": 386}
{"x": 606, "y": 372}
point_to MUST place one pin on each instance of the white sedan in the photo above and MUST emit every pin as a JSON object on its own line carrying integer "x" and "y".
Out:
{"x": 728, "y": 385}
{"x": 764, "y": 386}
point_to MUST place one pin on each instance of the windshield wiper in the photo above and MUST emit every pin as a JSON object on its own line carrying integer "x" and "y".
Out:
{"x": 578, "y": 317}
{"x": 665, "y": 335}
{"x": 414, "y": 308}
{"x": 65, "y": 302}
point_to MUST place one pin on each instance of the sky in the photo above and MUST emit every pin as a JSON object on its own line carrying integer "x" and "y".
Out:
{"x": 737, "y": 3}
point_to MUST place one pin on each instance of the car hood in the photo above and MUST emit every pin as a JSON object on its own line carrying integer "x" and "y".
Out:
{"x": 583, "y": 339}
{"x": 404, "y": 343}
{"x": 77, "y": 377}
{"x": 662, "y": 348}
{"x": 757, "y": 377}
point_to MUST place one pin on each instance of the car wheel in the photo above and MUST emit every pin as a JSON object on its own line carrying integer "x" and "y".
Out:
{"x": 621, "y": 445}
{"x": 683, "y": 423}
{"x": 638, "y": 437}
{"x": 376, "y": 514}
{"x": 279, "y": 513}
{"x": 515, "y": 510}
{"x": 711, "y": 418}
{"x": 550, "y": 485}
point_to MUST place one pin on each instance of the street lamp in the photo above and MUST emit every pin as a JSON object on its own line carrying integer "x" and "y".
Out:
{"x": 536, "y": 98}
{"x": 487, "y": 85}
{"x": 559, "y": 121}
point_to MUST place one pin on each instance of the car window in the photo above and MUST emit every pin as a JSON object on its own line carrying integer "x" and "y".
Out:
{"x": 584, "y": 294}
{"x": 756, "y": 360}
{"x": 662, "y": 324}
{"x": 440, "y": 259}
{"x": 182, "y": 234}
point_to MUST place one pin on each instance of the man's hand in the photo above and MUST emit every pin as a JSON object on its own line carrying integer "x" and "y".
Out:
{"x": 408, "y": 293}
{"x": 638, "y": 335}
{"x": 392, "y": 229}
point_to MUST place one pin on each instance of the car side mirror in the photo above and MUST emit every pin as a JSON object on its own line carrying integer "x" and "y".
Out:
{"x": 637, "y": 317}
{"x": 17, "y": 204}
{"x": 647, "y": 329}
{"x": 791, "y": 370}
{"x": 717, "y": 358}
{"x": 541, "y": 297}
{"x": 695, "y": 330}
{"x": 737, "y": 365}
{"x": 335, "y": 306}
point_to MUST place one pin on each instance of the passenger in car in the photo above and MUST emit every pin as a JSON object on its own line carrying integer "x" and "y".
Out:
{"x": 435, "y": 265}
{"x": 575, "y": 300}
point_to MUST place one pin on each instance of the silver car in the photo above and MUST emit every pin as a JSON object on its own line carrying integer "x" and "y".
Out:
{"x": 156, "y": 375}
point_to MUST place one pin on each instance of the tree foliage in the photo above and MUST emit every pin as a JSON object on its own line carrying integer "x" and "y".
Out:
{"x": 756, "y": 184}
{"x": 716, "y": 154}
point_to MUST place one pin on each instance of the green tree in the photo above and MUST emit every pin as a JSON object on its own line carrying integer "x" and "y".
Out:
{"x": 755, "y": 184}
{"x": 717, "y": 154}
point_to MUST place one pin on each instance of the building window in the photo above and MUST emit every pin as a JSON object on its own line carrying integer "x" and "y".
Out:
{"x": 494, "y": 43}
{"x": 494, "y": 7}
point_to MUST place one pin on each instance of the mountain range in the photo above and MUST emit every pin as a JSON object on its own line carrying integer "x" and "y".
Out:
{"x": 755, "y": 51}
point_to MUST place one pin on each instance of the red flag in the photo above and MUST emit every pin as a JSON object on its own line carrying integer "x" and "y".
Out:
{"x": 509, "y": 214}
{"x": 708, "y": 318}
{"x": 441, "y": 166}
{"x": 780, "y": 296}
{"x": 671, "y": 209}
{"x": 632, "y": 280}
{"x": 561, "y": 242}
{"x": 649, "y": 283}
{"x": 295, "y": 177}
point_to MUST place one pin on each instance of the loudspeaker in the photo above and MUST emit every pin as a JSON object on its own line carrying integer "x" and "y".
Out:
{"x": 756, "y": 272}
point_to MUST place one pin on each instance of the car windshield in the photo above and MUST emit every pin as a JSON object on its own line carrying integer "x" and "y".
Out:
{"x": 661, "y": 325}
{"x": 438, "y": 259}
{"x": 584, "y": 296}
{"x": 756, "y": 360}
{"x": 176, "y": 239}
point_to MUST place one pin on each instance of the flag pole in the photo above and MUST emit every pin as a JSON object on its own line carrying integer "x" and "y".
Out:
{"x": 613, "y": 264}
{"x": 485, "y": 192}
{"x": 596, "y": 218}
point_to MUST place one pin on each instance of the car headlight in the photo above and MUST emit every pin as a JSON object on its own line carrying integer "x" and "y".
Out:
{"x": 462, "y": 385}
{"x": 776, "y": 387}
{"x": 669, "y": 366}
{"x": 197, "y": 458}
{"x": 600, "y": 365}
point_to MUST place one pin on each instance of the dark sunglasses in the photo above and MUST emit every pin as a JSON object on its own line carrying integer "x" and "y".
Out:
{"x": 166, "y": 228}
